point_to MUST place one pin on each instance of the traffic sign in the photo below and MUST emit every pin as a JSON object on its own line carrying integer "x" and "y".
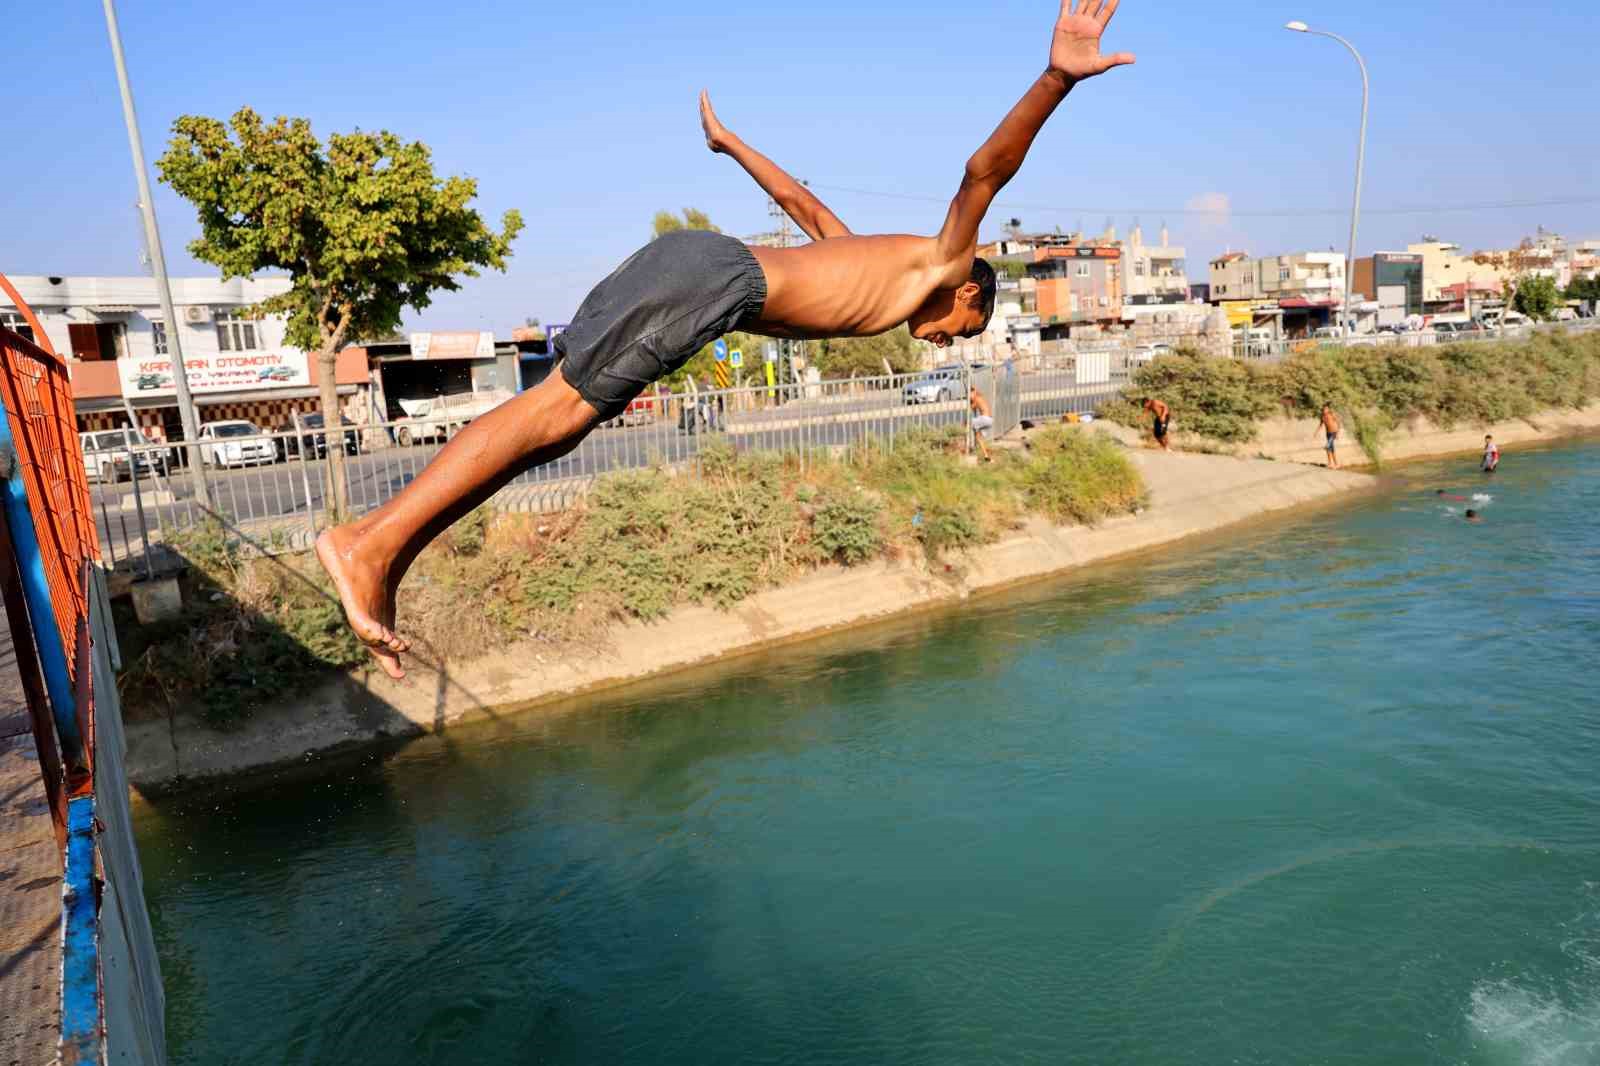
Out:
{"x": 736, "y": 358}
{"x": 719, "y": 350}
{"x": 721, "y": 374}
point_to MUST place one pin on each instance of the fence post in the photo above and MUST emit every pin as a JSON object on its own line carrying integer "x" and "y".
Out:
{"x": 138, "y": 506}
{"x": 305, "y": 474}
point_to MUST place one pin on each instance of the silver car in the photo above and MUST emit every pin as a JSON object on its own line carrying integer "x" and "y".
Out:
{"x": 940, "y": 384}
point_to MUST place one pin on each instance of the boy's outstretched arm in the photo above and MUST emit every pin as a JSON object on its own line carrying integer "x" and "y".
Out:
{"x": 1074, "y": 56}
{"x": 808, "y": 212}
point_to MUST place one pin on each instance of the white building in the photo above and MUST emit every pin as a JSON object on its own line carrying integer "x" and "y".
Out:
{"x": 116, "y": 339}
{"x": 1153, "y": 273}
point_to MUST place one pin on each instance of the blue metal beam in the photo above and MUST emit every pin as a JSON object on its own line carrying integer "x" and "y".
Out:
{"x": 36, "y": 590}
{"x": 81, "y": 1035}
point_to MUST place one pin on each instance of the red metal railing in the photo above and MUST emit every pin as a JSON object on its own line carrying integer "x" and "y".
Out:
{"x": 53, "y": 548}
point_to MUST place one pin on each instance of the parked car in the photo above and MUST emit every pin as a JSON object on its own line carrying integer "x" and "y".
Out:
{"x": 640, "y": 412}
{"x": 311, "y": 439}
{"x": 106, "y": 454}
{"x": 940, "y": 384}
{"x": 1146, "y": 353}
{"x": 440, "y": 416}
{"x": 236, "y": 443}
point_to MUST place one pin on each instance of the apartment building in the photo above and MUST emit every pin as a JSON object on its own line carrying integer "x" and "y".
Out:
{"x": 1078, "y": 285}
{"x": 1394, "y": 280}
{"x": 1155, "y": 273}
{"x": 1235, "y": 276}
{"x": 117, "y": 342}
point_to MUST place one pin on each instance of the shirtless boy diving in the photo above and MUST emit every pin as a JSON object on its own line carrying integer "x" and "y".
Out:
{"x": 684, "y": 290}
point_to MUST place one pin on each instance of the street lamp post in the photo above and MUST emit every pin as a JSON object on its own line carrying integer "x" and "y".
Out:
{"x": 152, "y": 236}
{"x": 1361, "y": 154}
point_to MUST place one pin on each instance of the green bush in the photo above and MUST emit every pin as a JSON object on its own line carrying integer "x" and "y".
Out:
{"x": 1376, "y": 387}
{"x": 846, "y": 528}
{"x": 1222, "y": 399}
{"x": 1075, "y": 476}
{"x": 641, "y": 544}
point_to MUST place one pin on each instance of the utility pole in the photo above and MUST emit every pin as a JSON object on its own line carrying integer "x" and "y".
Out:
{"x": 158, "y": 260}
{"x": 784, "y": 235}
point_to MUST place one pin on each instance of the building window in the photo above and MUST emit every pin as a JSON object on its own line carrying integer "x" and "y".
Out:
{"x": 158, "y": 336}
{"x": 236, "y": 333}
{"x": 1083, "y": 270}
{"x": 1138, "y": 268}
{"x": 14, "y": 321}
{"x": 1283, "y": 273}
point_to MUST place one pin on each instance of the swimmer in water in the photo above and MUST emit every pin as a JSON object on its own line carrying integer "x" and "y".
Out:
{"x": 1472, "y": 516}
{"x": 1443, "y": 495}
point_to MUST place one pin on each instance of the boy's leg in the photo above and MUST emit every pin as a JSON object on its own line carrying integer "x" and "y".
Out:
{"x": 368, "y": 557}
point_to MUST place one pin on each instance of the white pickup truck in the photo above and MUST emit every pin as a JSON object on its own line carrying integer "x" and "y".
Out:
{"x": 440, "y": 416}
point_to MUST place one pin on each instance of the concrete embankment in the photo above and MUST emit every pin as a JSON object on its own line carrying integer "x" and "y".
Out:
{"x": 1300, "y": 440}
{"x": 1190, "y": 494}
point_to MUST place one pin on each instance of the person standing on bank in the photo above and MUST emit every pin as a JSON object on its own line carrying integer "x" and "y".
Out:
{"x": 1328, "y": 423}
{"x": 685, "y": 289}
{"x": 1161, "y": 416}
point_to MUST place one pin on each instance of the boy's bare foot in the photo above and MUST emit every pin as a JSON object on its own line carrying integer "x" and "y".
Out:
{"x": 364, "y": 593}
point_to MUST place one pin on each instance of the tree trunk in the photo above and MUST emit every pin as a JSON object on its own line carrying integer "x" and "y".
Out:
{"x": 333, "y": 494}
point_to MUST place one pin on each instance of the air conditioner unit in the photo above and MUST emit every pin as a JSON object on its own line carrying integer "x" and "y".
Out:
{"x": 197, "y": 314}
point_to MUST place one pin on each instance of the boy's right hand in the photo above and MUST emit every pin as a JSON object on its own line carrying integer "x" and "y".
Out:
{"x": 717, "y": 137}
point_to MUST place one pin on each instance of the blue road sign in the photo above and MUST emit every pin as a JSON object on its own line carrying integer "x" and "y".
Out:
{"x": 719, "y": 350}
{"x": 736, "y": 358}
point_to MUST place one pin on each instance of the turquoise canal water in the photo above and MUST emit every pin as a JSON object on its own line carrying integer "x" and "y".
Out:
{"x": 1324, "y": 791}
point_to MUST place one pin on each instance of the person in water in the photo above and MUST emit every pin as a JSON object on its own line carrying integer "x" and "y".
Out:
{"x": 685, "y": 289}
{"x": 1491, "y": 454}
{"x": 1443, "y": 495}
{"x": 1472, "y": 516}
{"x": 1161, "y": 415}
{"x": 1329, "y": 424}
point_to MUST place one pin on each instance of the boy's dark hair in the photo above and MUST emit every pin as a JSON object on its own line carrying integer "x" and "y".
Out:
{"x": 983, "y": 277}
{"x": 1471, "y": 513}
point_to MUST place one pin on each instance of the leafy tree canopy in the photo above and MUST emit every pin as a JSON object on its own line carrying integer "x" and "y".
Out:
{"x": 362, "y": 225}
{"x": 693, "y": 218}
{"x": 1538, "y": 297}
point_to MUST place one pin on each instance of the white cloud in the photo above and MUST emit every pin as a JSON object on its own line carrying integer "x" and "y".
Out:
{"x": 1214, "y": 207}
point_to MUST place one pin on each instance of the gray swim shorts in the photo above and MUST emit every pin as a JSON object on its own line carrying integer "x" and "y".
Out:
{"x": 669, "y": 299}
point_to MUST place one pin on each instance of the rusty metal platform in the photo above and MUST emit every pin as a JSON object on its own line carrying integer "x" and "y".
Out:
{"x": 30, "y": 887}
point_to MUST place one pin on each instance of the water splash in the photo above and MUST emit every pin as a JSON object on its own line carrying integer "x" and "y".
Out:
{"x": 1532, "y": 1021}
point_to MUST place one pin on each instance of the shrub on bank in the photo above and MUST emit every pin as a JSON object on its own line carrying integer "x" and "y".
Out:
{"x": 1376, "y": 388}
{"x": 643, "y": 542}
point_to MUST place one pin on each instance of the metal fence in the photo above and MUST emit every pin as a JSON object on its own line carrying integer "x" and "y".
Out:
{"x": 1276, "y": 350}
{"x": 271, "y": 488}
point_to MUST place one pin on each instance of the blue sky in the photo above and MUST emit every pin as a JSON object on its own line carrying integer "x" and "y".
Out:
{"x": 583, "y": 117}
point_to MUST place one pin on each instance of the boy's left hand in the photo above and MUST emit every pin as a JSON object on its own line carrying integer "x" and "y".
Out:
{"x": 1075, "y": 44}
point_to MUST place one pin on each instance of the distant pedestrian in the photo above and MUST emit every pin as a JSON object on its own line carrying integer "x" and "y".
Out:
{"x": 1162, "y": 416}
{"x": 982, "y": 420}
{"x": 1491, "y": 455}
{"x": 1329, "y": 423}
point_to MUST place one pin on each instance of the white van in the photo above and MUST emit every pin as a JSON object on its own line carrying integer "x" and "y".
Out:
{"x": 441, "y": 416}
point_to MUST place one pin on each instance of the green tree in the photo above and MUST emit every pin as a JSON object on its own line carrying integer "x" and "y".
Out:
{"x": 1011, "y": 269}
{"x": 1585, "y": 288}
{"x": 1538, "y": 297}
{"x": 693, "y": 218}
{"x": 865, "y": 356}
{"x": 362, "y": 225}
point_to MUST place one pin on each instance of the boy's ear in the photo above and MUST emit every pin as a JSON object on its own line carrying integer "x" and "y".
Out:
{"x": 968, "y": 292}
